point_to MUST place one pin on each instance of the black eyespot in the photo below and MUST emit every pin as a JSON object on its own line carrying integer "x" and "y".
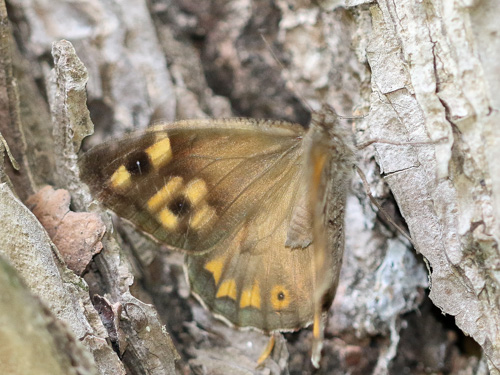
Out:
{"x": 281, "y": 296}
{"x": 138, "y": 163}
{"x": 179, "y": 206}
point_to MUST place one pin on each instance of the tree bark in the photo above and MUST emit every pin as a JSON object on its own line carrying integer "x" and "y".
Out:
{"x": 407, "y": 71}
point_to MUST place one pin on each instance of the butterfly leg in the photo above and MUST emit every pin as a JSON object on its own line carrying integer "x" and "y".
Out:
{"x": 318, "y": 327}
{"x": 267, "y": 351}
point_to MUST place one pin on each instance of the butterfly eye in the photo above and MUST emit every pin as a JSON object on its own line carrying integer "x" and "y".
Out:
{"x": 138, "y": 163}
{"x": 179, "y": 206}
{"x": 280, "y": 297}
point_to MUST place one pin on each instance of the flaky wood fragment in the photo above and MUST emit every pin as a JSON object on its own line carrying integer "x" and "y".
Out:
{"x": 77, "y": 235}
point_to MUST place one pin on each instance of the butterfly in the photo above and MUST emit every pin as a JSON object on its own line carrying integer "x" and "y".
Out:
{"x": 256, "y": 205}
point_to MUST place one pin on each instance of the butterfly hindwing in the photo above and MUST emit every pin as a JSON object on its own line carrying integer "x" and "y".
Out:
{"x": 252, "y": 279}
{"x": 285, "y": 277}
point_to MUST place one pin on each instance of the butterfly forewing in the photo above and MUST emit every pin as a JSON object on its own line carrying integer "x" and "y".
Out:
{"x": 187, "y": 184}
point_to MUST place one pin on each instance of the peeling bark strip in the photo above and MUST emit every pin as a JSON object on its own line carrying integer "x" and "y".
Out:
{"x": 438, "y": 85}
{"x": 417, "y": 70}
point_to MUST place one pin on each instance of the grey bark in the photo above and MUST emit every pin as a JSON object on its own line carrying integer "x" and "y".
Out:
{"x": 410, "y": 72}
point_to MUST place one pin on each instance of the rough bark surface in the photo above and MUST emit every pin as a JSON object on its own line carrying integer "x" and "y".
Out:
{"x": 411, "y": 72}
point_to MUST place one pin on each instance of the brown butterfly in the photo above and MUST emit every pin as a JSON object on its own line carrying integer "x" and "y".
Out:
{"x": 257, "y": 205}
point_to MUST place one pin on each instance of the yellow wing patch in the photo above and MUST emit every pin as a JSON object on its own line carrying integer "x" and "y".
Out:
{"x": 160, "y": 153}
{"x": 280, "y": 297}
{"x": 168, "y": 219}
{"x": 165, "y": 194}
{"x": 196, "y": 191}
{"x": 215, "y": 268}
{"x": 121, "y": 179}
{"x": 251, "y": 296}
{"x": 227, "y": 289}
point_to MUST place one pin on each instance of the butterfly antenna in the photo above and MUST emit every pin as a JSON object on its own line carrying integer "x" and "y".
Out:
{"x": 353, "y": 117}
{"x": 382, "y": 210}
{"x": 283, "y": 68}
{"x": 395, "y": 143}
